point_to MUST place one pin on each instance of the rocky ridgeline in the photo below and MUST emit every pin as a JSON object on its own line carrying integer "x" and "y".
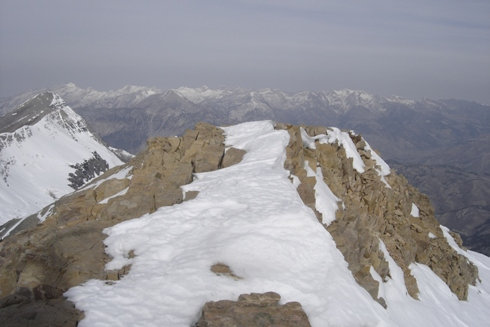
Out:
{"x": 371, "y": 212}
{"x": 40, "y": 261}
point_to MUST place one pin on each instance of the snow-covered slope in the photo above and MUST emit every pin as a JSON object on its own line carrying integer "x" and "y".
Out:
{"x": 251, "y": 217}
{"x": 41, "y": 144}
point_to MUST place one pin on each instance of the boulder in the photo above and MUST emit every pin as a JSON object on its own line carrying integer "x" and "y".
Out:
{"x": 254, "y": 310}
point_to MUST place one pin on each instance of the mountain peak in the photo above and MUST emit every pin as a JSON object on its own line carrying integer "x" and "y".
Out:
{"x": 42, "y": 142}
{"x": 31, "y": 111}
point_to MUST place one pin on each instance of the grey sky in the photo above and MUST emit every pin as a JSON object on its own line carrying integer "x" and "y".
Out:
{"x": 418, "y": 48}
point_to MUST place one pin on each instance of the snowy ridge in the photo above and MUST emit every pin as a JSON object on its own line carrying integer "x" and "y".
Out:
{"x": 250, "y": 217}
{"x": 197, "y": 95}
{"x": 35, "y": 159}
{"x": 129, "y": 95}
{"x": 135, "y": 96}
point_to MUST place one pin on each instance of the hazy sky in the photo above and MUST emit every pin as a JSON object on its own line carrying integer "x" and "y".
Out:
{"x": 417, "y": 48}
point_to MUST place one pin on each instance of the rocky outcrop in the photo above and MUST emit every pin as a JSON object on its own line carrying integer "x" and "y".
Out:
{"x": 67, "y": 248}
{"x": 373, "y": 215}
{"x": 253, "y": 310}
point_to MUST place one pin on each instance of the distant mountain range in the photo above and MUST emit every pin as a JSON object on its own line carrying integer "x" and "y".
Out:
{"x": 429, "y": 140}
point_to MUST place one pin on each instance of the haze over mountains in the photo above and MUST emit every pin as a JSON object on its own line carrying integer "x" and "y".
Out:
{"x": 442, "y": 146}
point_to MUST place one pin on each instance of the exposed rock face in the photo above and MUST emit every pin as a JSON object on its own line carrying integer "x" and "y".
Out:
{"x": 463, "y": 203}
{"x": 67, "y": 249}
{"x": 371, "y": 212}
{"x": 253, "y": 310}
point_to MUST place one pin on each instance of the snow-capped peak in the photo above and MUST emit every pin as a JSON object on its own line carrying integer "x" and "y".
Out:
{"x": 128, "y": 95}
{"x": 346, "y": 99}
{"x": 197, "y": 95}
{"x": 43, "y": 146}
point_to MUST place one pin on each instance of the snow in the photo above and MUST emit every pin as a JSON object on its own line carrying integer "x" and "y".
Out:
{"x": 38, "y": 159}
{"x": 124, "y": 173}
{"x": 347, "y": 99}
{"x": 431, "y": 235}
{"x": 296, "y": 181}
{"x": 250, "y": 217}
{"x": 42, "y": 216}
{"x": 415, "y": 211}
{"x": 309, "y": 141}
{"x": 122, "y": 152}
{"x": 127, "y": 96}
{"x": 11, "y": 228}
{"x": 197, "y": 95}
{"x": 325, "y": 200}
{"x": 382, "y": 167}
{"x": 335, "y": 135}
{"x": 121, "y": 193}
{"x": 57, "y": 101}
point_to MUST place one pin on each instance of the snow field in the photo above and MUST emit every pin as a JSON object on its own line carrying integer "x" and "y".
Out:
{"x": 250, "y": 217}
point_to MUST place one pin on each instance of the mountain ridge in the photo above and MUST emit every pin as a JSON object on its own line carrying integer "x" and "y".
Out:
{"x": 253, "y": 197}
{"x": 79, "y": 97}
{"x": 43, "y": 146}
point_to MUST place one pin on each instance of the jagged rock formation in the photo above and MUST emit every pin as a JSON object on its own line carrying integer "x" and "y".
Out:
{"x": 373, "y": 211}
{"x": 253, "y": 310}
{"x": 375, "y": 220}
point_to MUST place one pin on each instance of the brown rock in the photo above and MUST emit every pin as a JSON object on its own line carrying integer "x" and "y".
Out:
{"x": 232, "y": 156}
{"x": 373, "y": 213}
{"x": 222, "y": 269}
{"x": 253, "y": 310}
{"x": 67, "y": 249}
